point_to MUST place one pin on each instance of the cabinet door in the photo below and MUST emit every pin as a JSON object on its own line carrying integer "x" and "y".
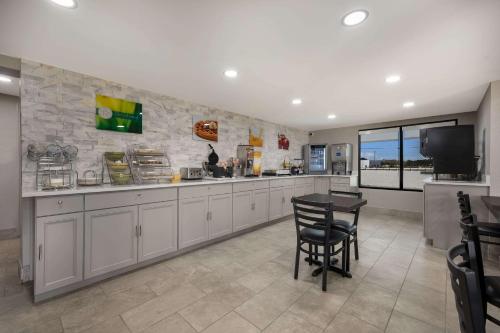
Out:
{"x": 300, "y": 190}
{"x": 322, "y": 185}
{"x": 58, "y": 252}
{"x": 261, "y": 206}
{"x": 110, "y": 240}
{"x": 287, "y": 200}
{"x": 242, "y": 210}
{"x": 275, "y": 203}
{"x": 193, "y": 221}
{"x": 157, "y": 229}
{"x": 220, "y": 215}
{"x": 309, "y": 188}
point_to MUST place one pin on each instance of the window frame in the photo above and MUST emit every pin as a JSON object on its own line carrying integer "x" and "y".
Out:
{"x": 401, "y": 154}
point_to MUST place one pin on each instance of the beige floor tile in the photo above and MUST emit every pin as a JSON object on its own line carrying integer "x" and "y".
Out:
{"x": 397, "y": 256}
{"x": 290, "y": 323}
{"x": 371, "y": 303}
{"x": 268, "y": 305}
{"x": 233, "y": 294}
{"x": 205, "y": 312}
{"x": 319, "y": 307}
{"x": 428, "y": 275}
{"x": 232, "y": 323}
{"x": 158, "y": 308}
{"x": 263, "y": 276}
{"x": 422, "y": 303}
{"x": 175, "y": 324}
{"x": 386, "y": 275}
{"x": 112, "y": 325}
{"x": 346, "y": 323}
{"x": 402, "y": 323}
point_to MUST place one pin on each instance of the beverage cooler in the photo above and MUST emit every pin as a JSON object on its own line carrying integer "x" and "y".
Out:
{"x": 316, "y": 161}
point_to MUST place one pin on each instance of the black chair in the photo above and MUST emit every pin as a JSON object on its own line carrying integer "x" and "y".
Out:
{"x": 483, "y": 229}
{"x": 350, "y": 227}
{"x": 313, "y": 223}
{"x": 489, "y": 285}
{"x": 468, "y": 296}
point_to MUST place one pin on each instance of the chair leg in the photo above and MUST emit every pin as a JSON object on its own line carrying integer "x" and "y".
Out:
{"x": 348, "y": 256}
{"x": 310, "y": 255}
{"x": 316, "y": 251}
{"x": 326, "y": 263}
{"x": 356, "y": 249}
{"x": 297, "y": 259}
{"x": 343, "y": 253}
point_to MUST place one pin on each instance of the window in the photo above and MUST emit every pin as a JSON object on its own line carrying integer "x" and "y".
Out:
{"x": 390, "y": 157}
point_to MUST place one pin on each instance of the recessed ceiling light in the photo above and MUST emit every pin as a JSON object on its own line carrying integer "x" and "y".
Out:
{"x": 66, "y": 3}
{"x": 392, "y": 79}
{"x": 5, "y": 79}
{"x": 332, "y": 116}
{"x": 296, "y": 101}
{"x": 354, "y": 18}
{"x": 408, "y": 104}
{"x": 231, "y": 73}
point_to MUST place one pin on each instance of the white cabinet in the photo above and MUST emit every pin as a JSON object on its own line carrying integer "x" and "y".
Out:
{"x": 287, "y": 200}
{"x": 157, "y": 229}
{"x": 340, "y": 183}
{"x": 275, "y": 203}
{"x": 242, "y": 210}
{"x": 220, "y": 214}
{"x": 193, "y": 221}
{"x": 261, "y": 206}
{"x": 58, "y": 251}
{"x": 110, "y": 240}
{"x": 300, "y": 190}
{"x": 322, "y": 185}
{"x": 309, "y": 188}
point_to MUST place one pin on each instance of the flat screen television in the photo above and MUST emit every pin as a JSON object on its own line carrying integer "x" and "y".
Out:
{"x": 451, "y": 149}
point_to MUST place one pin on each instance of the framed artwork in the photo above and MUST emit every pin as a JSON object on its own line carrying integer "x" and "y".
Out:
{"x": 283, "y": 142}
{"x": 115, "y": 114}
{"x": 256, "y": 137}
{"x": 205, "y": 129}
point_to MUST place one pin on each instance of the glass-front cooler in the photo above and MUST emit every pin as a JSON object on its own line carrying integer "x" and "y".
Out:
{"x": 316, "y": 159}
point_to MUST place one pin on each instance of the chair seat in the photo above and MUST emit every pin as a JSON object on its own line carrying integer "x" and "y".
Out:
{"x": 492, "y": 284}
{"x": 345, "y": 225}
{"x": 318, "y": 236}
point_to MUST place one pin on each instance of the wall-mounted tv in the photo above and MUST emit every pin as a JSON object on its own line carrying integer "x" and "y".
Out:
{"x": 451, "y": 149}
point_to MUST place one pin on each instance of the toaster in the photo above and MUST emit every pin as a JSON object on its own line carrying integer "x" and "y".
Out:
{"x": 191, "y": 173}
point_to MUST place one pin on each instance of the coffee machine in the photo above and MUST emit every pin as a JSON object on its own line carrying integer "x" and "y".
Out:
{"x": 341, "y": 158}
{"x": 245, "y": 155}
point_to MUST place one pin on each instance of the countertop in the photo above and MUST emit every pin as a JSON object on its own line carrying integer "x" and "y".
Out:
{"x": 432, "y": 181}
{"x": 116, "y": 188}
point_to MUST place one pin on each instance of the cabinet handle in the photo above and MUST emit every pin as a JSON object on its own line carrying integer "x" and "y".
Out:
{"x": 59, "y": 202}
{"x": 39, "y": 252}
{"x": 137, "y": 231}
{"x": 140, "y": 230}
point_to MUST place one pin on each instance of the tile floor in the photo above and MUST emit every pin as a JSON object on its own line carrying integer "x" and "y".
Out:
{"x": 245, "y": 285}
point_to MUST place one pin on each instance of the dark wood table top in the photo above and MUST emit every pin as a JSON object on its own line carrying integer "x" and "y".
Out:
{"x": 340, "y": 203}
{"x": 493, "y": 205}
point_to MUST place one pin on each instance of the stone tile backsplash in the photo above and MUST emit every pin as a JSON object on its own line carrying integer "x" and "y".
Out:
{"x": 58, "y": 106}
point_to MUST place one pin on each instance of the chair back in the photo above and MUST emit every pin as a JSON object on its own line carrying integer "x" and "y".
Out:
{"x": 464, "y": 204}
{"x": 468, "y": 296}
{"x": 314, "y": 215}
{"x": 470, "y": 236}
{"x": 358, "y": 195}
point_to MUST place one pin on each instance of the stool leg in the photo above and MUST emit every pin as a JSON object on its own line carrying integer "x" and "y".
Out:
{"x": 326, "y": 263}
{"x": 297, "y": 259}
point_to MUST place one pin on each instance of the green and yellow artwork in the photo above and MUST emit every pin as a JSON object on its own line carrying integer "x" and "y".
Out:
{"x": 114, "y": 114}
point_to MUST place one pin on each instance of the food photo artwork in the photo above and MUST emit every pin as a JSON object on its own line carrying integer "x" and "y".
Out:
{"x": 283, "y": 142}
{"x": 115, "y": 114}
{"x": 205, "y": 129}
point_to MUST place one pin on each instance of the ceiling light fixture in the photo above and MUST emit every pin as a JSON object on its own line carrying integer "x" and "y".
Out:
{"x": 296, "y": 101}
{"x": 332, "y": 116}
{"x": 391, "y": 79}
{"x": 408, "y": 104}
{"x": 5, "y": 79}
{"x": 66, "y": 3}
{"x": 231, "y": 73}
{"x": 354, "y": 18}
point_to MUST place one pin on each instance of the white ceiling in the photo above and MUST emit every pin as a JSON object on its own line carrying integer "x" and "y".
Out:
{"x": 446, "y": 52}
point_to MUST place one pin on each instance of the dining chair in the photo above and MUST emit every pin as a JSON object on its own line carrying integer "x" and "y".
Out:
{"x": 313, "y": 224}
{"x": 483, "y": 230}
{"x": 468, "y": 296}
{"x": 489, "y": 285}
{"x": 350, "y": 227}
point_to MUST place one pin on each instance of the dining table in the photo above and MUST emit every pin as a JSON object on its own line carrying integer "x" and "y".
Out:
{"x": 346, "y": 201}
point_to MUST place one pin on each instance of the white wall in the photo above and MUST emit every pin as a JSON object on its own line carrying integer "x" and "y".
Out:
{"x": 10, "y": 164}
{"x": 494, "y": 148}
{"x": 390, "y": 199}
{"x": 483, "y": 131}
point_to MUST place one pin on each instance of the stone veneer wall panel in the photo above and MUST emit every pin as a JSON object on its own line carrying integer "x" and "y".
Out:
{"x": 59, "y": 106}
